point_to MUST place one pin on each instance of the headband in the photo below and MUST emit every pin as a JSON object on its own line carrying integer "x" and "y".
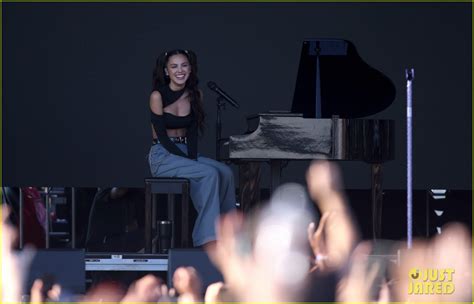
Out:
{"x": 186, "y": 51}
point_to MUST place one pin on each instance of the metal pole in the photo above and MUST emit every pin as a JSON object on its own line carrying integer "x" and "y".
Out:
{"x": 220, "y": 105}
{"x": 218, "y": 129}
{"x": 410, "y": 75}
{"x": 148, "y": 217}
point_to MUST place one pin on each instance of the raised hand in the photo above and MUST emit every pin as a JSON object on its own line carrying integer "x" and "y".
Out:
{"x": 317, "y": 242}
{"x": 325, "y": 185}
{"x": 336, "y": 235}
{"x": 355, "y": 286}
{"x": 212, "y": 293}
{"x": 146, "y": 289}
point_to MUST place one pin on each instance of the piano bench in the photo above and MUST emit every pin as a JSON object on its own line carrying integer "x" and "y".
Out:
{"x": 169, "y": 186}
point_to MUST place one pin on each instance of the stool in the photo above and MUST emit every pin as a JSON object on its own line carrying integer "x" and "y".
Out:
{"x": 169, "y": 186}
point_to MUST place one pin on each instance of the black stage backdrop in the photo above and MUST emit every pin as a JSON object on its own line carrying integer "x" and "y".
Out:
{"x": 77, "y": 77}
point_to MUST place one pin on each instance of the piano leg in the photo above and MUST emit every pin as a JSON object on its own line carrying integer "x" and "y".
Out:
{"x": 249, "y": 185}
{"x": 275, "y": 169}
{"x": 377, "y": 200}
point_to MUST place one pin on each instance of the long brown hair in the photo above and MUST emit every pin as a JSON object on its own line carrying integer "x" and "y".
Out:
{"x": 160, "y": 79}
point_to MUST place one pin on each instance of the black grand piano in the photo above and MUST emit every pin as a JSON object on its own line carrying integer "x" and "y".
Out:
{"x": 334, "y": 90}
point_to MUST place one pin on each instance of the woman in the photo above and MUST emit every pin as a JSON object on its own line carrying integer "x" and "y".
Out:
{"x": 176, "y": 115}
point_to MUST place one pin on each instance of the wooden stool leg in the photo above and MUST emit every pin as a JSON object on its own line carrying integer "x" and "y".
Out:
{"x": 154, "y": 227}
{"x": 153, "y": 212}
{"x": 171, "y": 217}
{"x": 185, "y": 216}
{"x": 148, "y": 195}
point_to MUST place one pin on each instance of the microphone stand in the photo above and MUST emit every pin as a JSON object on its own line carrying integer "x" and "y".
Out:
{"x": 220, "y": 104}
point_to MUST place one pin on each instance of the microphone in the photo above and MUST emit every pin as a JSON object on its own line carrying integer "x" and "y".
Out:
{"x": 213, "y": 86}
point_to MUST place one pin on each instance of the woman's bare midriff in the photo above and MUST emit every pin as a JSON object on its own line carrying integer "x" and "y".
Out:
{"x": 170, "y": 132}
{"x": 176, "y": 132}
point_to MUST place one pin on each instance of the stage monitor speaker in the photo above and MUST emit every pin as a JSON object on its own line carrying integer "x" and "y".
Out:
{"x": 196, "y": 258}
{"x": 63, "y": 266}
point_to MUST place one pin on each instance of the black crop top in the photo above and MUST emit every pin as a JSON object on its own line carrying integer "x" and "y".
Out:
{"x": 169, "y": 121}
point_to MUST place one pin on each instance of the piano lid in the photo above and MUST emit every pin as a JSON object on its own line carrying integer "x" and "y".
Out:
{"x": 334, "y": 80}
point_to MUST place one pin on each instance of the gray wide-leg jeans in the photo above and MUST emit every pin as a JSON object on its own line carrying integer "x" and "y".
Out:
{"x": 212, "y": 186}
